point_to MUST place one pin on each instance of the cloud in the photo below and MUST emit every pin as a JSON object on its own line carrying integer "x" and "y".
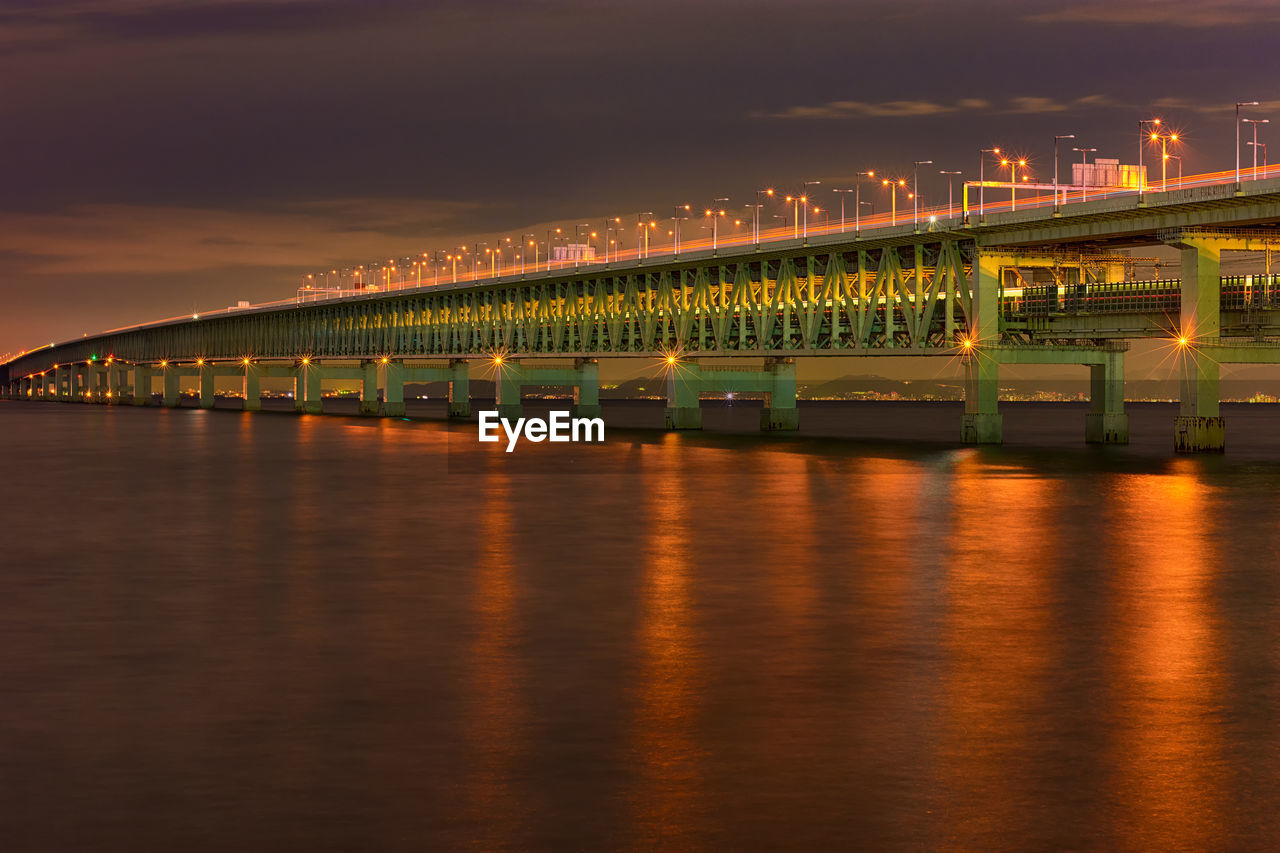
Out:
{"x": 1183, "y": 105}
{"x": 1192, "y": 14}
{"x": 1024, "y": 105}
{"x": 112, "y": 238}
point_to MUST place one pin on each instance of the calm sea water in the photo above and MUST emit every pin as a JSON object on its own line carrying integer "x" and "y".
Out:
{"x": 267, "y": 632}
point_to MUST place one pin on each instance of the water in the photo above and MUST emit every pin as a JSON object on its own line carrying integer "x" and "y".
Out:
{"x": 267, "y": 632}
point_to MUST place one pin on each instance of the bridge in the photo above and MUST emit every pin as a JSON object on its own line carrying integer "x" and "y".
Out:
{"x": 1041, "y": 284}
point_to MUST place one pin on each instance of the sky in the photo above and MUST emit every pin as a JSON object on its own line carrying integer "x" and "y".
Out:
{"x": 161, "y": 157}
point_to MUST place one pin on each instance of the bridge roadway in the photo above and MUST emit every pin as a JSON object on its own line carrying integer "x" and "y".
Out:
{"x": 1024, "y": 287}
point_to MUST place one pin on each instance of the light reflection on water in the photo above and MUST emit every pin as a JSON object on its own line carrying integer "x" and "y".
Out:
{"x": 267, "y": 632}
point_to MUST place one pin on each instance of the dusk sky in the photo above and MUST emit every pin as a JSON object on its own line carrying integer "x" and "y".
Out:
{"x": 161, "y": 157}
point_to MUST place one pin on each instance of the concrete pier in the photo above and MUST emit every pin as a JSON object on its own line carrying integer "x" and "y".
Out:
{"x": 776, "y": 379}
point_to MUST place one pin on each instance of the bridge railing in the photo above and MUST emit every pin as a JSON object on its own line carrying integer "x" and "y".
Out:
{"x": 1239, "y": 293}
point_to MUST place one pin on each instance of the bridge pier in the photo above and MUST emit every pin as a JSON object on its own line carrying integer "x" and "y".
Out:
{"x": 172, "y": 377}
{"x": 142, "y": 374}
{"x": 252, "y": 388}
{"x": 459, "y": 388}
{"x": 207, "y": 386}
{"x": 1199, "y": 426}
{"x": 776, "y": 379}
{"x": 76, "y": 383}
{"x": 1106, "y": 421}
{"x": 306, "y": 388}
{"x": 392, "y": 388}
{"x": 583, "y": 376}
{"x": 982, "y": 422}
{"x": 369, "y": 387}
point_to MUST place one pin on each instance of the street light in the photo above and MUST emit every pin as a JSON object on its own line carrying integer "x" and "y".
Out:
{"x": 1256, "y": 146}
{"x": 1240, "y": 104}
{"x": 534, "y": 244}
{"x": 1055, "y": 167}
{"x": 1164, "y": 139}
{"x": 982, "y": 163}
{"x": 1013, "y": 180}
{"x": 1179, "y": 159}
{"x": 915, "y": 190}
{"x": 842, "y": 194}
{"x": 1142, "y": 171}
{"x": 676, "y": 219}
{"x": 1084, "y": 173}
{"x": 715, "y": 215}
{"x": 1255, "y": 122}
{"x": 756, "y": 221}
{"x": 804, "y": 198}
{"x": 642, "y": 232}
{"x": 893, "y": 190}
{"x": 950, "y": 191}
{"x": 857, "y": 198}
{"x": 549, "y": 247}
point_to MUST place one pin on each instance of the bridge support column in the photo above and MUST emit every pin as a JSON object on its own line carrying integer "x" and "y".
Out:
{"x": 206, "y": 385}
{"x": 142, "y": 385}
{"x": 1106, "y": 421}
{"x": 780, "y": 412}
{"x": 96, "y": 380}
{"x": 61, "y": 383}
{"x": 982, "y": 423}
{"x": 306, "y": 389}
{"x": 116, "y": 383}
{"x": 459, "y": 389}
{"x": 393, "y": 389}
{"x": 76, "y": 383}
{"x": 368, "y": 387}
{"x": 684, "y": 380}
{"x": 1199, "y": 427}
{"x": 508, "y": 379}
{"x": 252, "y": 387}
{"x": 586, "y": 393}
{"x": 172, "y": 377}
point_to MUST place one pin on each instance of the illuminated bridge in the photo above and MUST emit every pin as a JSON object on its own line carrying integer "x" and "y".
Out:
{"x": 1025, "y": 286}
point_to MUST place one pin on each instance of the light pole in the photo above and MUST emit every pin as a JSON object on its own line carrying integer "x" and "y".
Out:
{"x": 581, "y": 249}
{"x": 642, "y": 233}
{"x": 982, "y": 164}
{"x": 1142, "y": 170}
{"x": 549, "y": 232}
{"x": 1255, "y": 122}
{"x": 756, "y": 222}
{"x": 676, "y": 219}
{"x": 533, "y": 243}
{"x": 1256, "y": 146}
{"x": 1013, "y": 180}
{"x": 1055, "y": 167}
{"x": 1178, "y": 157}
{"x": 1240, "y": 104}
{"x": 715, "y": 214}
{"x": 804, "y": 198}
{"x": 1084, "y": 173}
{"x": 1164, "y": 139}
{"x": 857, "y": 198}
{"x": 950, "y": 191}
{"x": 893, "y": 193}
{"x": 915, "y": 191}
{"x": 842, "y": 194}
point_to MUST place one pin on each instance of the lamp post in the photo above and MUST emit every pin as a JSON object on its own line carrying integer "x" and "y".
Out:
{"x": 1255, "y": 122}
{"x": 1240, "y": 104}
{"x": 642, "y": 233}
{"x": 715, "y": 214}
{"x": 756, "y": 221}
{"x": 842, "y": 195}
{"x": 1084, "y": 173}
{"x": 893, "y": 193}
{"x": 1013, "y": 180}
{"x": 1256, "y": 146}
{"x": 857, "y": 198}
{"x": 950, "y": 191}
{"x": 1055, "y": 167}
{"x": 1178, "y": 157}
{"x": 804, "y": 198}
{"x": 676, "y": 219}
{"x": 982, "y": 164}
{"x": 915, "y": 191}
{"x": 1142, "y": 172}
{"x": 1164, "y": 139}
{"x": 549, "y": 232}
{"x": 534, "y": 244}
